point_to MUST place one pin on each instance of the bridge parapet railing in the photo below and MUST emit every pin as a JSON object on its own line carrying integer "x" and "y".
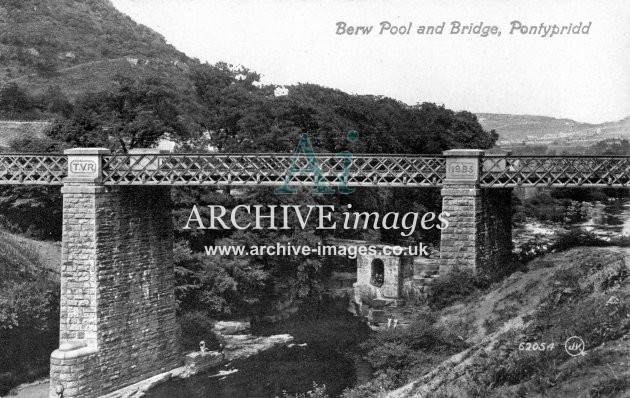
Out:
{"x": 562, "y": 171}
{"x": 33, "y": 169}
{"x": 272, "y": 169}
{"x": 495, "y": 171}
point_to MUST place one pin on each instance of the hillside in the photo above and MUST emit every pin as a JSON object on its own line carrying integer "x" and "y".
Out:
{"x": 29, "y": 308}
{"x": 80, "y": 46}
{"x": 583, "y": 292}
{"x": 23, "y": 259}
{"x": 544, "y": 130}
{"x": 12, "y": 129}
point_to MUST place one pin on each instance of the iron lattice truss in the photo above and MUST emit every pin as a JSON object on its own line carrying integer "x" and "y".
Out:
{"x": 37, "y": 169}
{"x": 560, "y": 171}
{"x": 362, "y": 171}
{"x": 271, "y": 170}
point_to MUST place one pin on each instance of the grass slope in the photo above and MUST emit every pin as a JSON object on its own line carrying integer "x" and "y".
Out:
{"x": 80, "y": 46}
{"x": 23, "y": 259}
{"x": 583, "y": 292}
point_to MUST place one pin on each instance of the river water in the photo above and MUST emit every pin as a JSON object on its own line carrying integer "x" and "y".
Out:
{"x": 611, "y": 220}
{"x": 606, "y": 220}
{"x": 324, "y": 352}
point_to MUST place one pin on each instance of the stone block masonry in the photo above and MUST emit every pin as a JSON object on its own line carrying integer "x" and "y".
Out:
{"x": 479, "y": 236}
{"x": 117, "y": 304}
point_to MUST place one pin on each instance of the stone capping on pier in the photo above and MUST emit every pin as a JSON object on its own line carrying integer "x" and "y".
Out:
{"x": 85, "y": 165}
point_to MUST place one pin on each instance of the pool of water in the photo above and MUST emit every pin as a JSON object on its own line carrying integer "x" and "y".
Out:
{"x": 324, "y": 352}
{"x": 268, "y": 375}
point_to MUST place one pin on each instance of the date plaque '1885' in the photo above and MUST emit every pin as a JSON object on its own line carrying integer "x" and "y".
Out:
{"x": 463, "y": 170}
{"x": 462, "y": 165}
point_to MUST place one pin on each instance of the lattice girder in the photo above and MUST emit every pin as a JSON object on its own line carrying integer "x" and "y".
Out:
{"x": 565, "y": 171}
{"x": 362, "y": 171}
{"x": 27, "y": 169}
{"x": 272, "y": 170}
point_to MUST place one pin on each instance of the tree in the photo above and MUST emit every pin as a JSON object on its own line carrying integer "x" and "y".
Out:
{"x": 35, "y": 210}
{"x": 55, "y": 101}
{"x": 14, "y": 101}
{"x": 136, "y": 115}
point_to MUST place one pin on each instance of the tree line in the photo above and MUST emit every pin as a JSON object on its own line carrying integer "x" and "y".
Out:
{"x": 231, "y": 111}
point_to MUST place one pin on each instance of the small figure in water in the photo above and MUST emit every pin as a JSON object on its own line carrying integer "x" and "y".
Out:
{"x": 202, "y": 347}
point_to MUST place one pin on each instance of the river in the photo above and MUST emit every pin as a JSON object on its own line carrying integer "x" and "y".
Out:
{"x": 324, "y": 352}
{"x": 610, "y": 219}
{"x": 607, "y": 220}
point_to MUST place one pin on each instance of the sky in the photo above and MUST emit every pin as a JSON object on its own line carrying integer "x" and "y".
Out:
{"x": 585, "y": 76}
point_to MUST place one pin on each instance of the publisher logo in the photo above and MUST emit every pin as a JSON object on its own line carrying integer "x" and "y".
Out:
{"x": 574, "y": 346}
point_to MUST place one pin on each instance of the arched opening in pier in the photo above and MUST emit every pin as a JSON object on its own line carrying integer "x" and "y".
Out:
{"x": 378, "y": 272}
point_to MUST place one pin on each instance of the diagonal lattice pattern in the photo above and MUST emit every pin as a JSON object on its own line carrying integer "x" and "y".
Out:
{"x": 271, "y": 170}
{"x": 33, "y": 169}
{"x": 563, "y": 171}
{"x": 363, "y": 170}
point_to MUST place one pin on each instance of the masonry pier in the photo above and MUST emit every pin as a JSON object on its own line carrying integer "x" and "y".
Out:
{"x": 480, "y": 233}
{"x": 117, "y": 304}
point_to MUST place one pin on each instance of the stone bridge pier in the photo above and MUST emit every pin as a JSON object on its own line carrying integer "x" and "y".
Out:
{"x": 479, "y": 236}
{"x": 117, "y": 303}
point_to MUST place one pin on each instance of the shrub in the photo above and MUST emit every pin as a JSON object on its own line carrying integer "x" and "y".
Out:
{"x": 29, "y": 331}
{"x": 318, "y": 391}
{"x": 609, "y": 387}
{"x": 374, "y": 388}
{"x": 457, "y": 285}
{"x": 400, "y": 355}
{"x": 195, "y": 327}
{"x": 577, "y": 237}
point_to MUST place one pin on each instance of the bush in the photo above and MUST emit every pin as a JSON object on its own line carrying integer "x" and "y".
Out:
{"x": 318, "y": 391}
{"x": 457, "y": 285}
{"x": 577, "y": 237}
{"x": 400, "y": 355}
{"x": 195, "y": 327}
{"x": 29, "y": 331}
{"x": 609, "y": 387}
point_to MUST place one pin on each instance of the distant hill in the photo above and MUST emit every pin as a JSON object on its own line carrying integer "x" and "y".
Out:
{"x": 81, "y": 46}
{"x": 514, "y": 129}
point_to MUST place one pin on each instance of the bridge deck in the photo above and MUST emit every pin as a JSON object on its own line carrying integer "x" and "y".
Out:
{"x": 364, "y": 171}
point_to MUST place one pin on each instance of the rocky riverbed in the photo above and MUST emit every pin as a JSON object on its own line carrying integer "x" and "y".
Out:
{"x": 238, "y": 345}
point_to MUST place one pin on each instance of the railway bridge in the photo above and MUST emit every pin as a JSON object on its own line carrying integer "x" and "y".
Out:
{"x": 117, "y": 305}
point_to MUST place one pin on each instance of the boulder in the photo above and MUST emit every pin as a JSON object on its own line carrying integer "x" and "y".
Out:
{"x": 231, "y": 327}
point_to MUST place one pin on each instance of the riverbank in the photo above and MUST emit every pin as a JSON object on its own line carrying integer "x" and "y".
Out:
{"x": 324, "y": 351}
{"x": 237, "y": 347}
